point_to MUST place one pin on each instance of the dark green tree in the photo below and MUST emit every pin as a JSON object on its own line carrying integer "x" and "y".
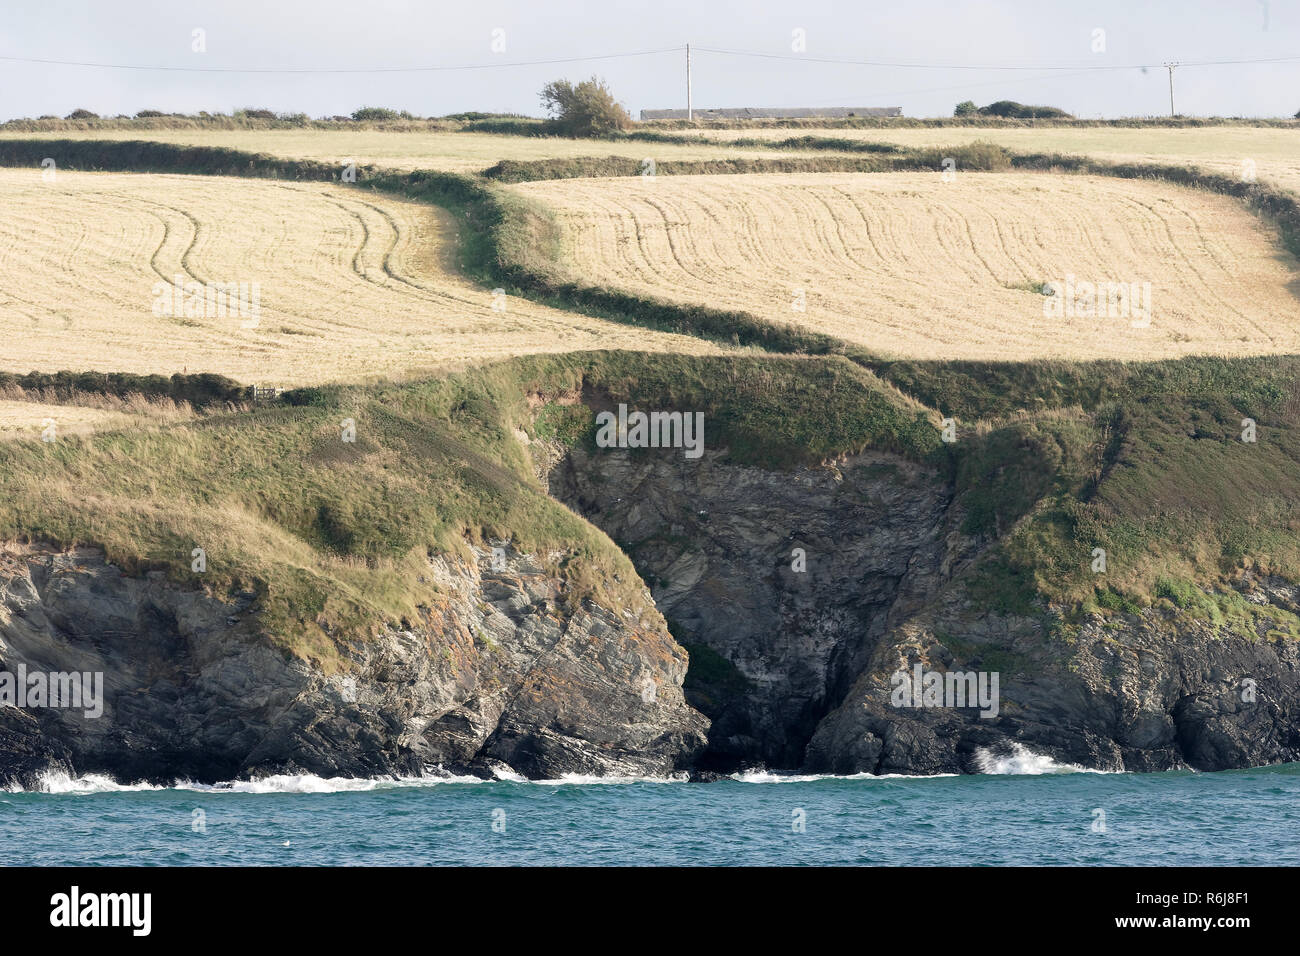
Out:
{"x": 584, "y": 109}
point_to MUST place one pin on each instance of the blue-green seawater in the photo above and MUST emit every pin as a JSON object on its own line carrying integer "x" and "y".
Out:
{"x": 1247, "y": 817}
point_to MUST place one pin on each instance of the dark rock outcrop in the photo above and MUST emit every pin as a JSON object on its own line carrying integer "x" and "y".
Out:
{"x": 795, "y": 668}
{"x": 496, "y": 672}
{"x": 717, "y": 544}
{"x": 798, "y": 596}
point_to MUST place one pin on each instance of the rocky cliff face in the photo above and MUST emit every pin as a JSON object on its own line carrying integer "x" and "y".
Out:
{"x": 794, "y": 667}
{"x": 792, "y": 579}
{"x": 1155, "y": 691}
{"x": 496, "y": 672}
{"x": 798, "y": 596}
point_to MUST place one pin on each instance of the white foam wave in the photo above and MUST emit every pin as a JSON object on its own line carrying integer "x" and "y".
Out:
{"x": 58, "y": 781}
{"x": 582, "y": 779}
{"x": 767, "y": 776}
{"x": 310, "y": 783}
{"x": 1024, "y": 762}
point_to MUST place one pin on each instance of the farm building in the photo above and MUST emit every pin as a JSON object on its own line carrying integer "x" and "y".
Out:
{"x": 765, "y": 112}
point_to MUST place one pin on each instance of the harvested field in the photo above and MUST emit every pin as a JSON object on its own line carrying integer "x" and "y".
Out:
{"x": 444, "y": 151}
{"x": 911, "y": 266}
{"x": 349, "y": 285}
{"x": 1274, "y": 152}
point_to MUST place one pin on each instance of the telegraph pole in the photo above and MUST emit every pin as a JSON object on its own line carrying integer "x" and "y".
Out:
{"x": 689, "y": 112}
{"x": 1170, "y": 67}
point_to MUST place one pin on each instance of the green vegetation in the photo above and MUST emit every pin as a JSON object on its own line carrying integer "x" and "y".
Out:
{"x": 1144, "y": 461}
{"x": 882, "y": 158}
{"x": 1227, "y": 608}
{"x": 587, "y": 108}
{"x": 200, "y": 390}
{"x": 1011, "y": 109}
{"x": 377, "y": 114}
{"x": 567, "y": 424}
{"x": 334, "y": 534}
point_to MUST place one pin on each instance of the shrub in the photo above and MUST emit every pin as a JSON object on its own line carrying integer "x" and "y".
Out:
{"x": 200, "y": 389}
{"x": 149, "y": 114}
{"x": 373, "y": 113}
{"x": 965, "y": 108}
{"x": 587, "y": 109}
{"x": 256, "y": 114}
{"x": 1012, "y": 109}
{"x": 82, "y": 115}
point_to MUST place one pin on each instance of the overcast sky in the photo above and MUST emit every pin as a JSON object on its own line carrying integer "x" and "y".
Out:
{"x": 387, "y": 34}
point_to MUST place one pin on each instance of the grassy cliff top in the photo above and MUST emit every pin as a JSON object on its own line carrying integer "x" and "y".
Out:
{"x": 1146, "y": 461}
{"x": 335, "y": 532}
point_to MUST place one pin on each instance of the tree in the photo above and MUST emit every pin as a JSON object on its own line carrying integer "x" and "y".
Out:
{"x": 965, "y": 108}
{"x": 375, "y": 113}
{"x": 1010, "y": 108}
{"x": 587, "y": 109}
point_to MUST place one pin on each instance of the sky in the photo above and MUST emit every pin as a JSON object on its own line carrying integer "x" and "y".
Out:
{"x": 928, "y": 50}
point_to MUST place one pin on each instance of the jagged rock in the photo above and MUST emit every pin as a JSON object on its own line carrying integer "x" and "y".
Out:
{"x": 811, "y": 654}
{"x": 497, "y": 672}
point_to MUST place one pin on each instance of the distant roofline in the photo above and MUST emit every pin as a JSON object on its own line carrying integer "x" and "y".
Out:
{"x": 773, "y": 112}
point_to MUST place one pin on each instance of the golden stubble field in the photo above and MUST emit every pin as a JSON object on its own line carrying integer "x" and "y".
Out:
{"x": 1275, "y": 152}
{"x": 1271, "y": 154}
{"x": 350, "y": 285}
{"x": 443, "y": 151}
{"x": 911, "y": 266}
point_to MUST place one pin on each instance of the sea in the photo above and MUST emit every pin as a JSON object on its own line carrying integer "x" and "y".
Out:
{"x": 1025, "y": 809}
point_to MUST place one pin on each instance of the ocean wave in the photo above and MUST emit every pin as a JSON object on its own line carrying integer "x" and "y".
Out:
{"x": 767, "y": 776}
{"x": 58, "y": 781}
{"x": 311, "y": 783}
{"x": 1019, "y": 762}
{"x": 1022, "y": 762}
{"x": 586, "y": 780}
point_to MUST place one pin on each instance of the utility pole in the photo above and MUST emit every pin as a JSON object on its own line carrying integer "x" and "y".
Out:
{"x": 1171, "y": 66}
{"x": 690, "y": 115}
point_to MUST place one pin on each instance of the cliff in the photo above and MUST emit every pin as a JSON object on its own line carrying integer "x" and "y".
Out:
{"x": 473, "y": 584}
{"x": 810, "y": 653}
{"x": 496, "y": 674}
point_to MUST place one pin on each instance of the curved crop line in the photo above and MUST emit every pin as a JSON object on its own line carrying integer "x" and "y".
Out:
{"x": 505, "y": 249}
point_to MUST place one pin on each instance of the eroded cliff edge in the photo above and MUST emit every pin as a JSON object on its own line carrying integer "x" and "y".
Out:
{"x": 353, "y": 619}
{"x": 498, "y": 673}
{"x": 794, "y": 667}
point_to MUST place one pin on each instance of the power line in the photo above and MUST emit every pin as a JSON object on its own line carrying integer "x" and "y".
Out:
{"x": 388, "y": 69}
{"x": 892, "y": 64}
{"x": 904, "y": 64}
